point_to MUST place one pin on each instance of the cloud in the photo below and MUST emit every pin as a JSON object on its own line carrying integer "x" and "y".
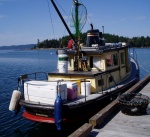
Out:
{"x": 141, "y": 18}
{"x": 2, "y": 1}
{"x": 123, "y": 19}
{"x": 120, "y": 20}
{"x": 2, "y": 16}
{"x": 5, "y": 0}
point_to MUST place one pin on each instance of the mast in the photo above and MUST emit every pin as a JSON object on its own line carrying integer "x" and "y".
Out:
{"x": 77, "y": 18}
{"x": 77, "y": 27}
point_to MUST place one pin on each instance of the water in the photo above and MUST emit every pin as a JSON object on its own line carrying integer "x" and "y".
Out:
{"x": 142, "y": 56}
{"x": 12, "y": 65}
{"x": 15, "y": 63}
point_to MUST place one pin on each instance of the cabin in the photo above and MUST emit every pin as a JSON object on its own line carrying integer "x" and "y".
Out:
{"x": 102, "y": 64}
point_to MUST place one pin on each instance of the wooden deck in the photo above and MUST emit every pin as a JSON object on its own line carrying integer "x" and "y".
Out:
{"x": 121, "y": 125}
{"x": 111, "y": 123}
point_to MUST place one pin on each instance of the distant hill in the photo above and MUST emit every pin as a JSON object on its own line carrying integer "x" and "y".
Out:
{"x": 17, "y": 47}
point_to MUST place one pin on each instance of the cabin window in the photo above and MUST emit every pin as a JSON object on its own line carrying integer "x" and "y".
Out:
{"x": 101, "y": 82}
{"x": 115, "y": 59}
{"x": 109, "y": 61}
{"x": 122, "y": 57}
{"x": 96, "y": 62}
{"x": 91, "y": 62}
{"x": 111, "y": 79}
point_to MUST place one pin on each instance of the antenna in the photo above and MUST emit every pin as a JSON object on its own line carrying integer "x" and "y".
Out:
{"x": 103, "y": 29}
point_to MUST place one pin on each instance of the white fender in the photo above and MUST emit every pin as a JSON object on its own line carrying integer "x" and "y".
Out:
{"x": 14, "y": 102}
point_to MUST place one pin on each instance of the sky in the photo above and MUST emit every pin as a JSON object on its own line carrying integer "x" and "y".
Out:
{"x": 26, "y": 21}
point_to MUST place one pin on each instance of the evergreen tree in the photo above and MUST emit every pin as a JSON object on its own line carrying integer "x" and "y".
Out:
{"x": 63, "y": 42}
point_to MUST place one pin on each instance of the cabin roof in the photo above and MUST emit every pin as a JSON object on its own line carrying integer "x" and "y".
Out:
{"x": 95, "y": 50}
{"x": 82, "y": 73}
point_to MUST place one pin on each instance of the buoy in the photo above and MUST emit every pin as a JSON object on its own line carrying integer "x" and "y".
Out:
{"x": 14, "y": 102}
{"x": 58, "y": 112}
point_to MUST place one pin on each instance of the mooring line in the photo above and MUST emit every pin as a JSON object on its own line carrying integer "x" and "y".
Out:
{"x": 145, "y": 69}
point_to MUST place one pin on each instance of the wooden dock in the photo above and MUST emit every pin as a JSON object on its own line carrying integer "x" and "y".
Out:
{"x": 111, "y": 122}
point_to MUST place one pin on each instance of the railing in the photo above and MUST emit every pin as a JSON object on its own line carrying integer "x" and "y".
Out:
{"x": 132, "y": 52}
{"x": 112, "y": 78}
{"x": 25, "y": 77}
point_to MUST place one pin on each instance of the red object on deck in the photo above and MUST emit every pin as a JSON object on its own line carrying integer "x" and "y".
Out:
{"x": 70, "y": 44}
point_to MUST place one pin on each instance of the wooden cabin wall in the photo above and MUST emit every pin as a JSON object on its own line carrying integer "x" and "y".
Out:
{"x": 118, "y": 68}
{"x": 104, "y": 81}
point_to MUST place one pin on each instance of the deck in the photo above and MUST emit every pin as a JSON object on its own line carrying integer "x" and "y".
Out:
{"x": 111, "y": 122}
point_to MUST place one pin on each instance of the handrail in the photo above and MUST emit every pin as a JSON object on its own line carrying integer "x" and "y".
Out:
{"x": 113, "y": 80}
{"x": 25, "y": 76}
{"x": 22, "y": 78}
{"x": 134, "y": 53}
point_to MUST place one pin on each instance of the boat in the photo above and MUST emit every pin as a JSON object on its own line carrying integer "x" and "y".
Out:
{"x": 87, "y": 76}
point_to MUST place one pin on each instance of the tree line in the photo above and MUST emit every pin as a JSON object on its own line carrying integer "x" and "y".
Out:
{"x": 63, "y": 42}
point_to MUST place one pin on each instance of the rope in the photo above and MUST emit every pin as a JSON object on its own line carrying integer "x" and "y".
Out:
{"x": 67, "y": 19}
{"x": 62, "y": 8}
{"x": 134, "y": 52}
{"x": 145, "y": 69}
{"x": 133, "y": 103}
{"x": 51, "y": 18}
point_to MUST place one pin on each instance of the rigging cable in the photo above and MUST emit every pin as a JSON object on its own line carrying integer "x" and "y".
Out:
{"x": 67, "y": 18}
{"x": 88, "y": 17}
{"x": 64, "y": 12}
{"x": 145, "y": 69}
{"x": 51, "y": 18}
{"x": 89, "y": 21}
{"x": 61, "y": 8}
{"x": 135, "y": 57}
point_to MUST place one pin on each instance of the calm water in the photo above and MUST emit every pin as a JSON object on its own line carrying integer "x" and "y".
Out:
{"x": 15, "y": 63}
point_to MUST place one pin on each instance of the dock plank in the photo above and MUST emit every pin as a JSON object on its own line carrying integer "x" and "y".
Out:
{"x": 83, "y": 131}
{"x": 101, "y": 115}
{"x": 122, "y": 125}
{"x": 112, "y": 133}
